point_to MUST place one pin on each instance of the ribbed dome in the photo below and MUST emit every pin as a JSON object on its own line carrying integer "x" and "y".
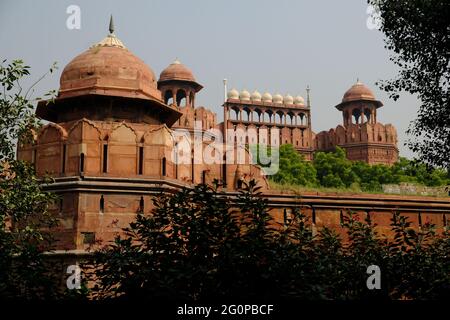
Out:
{"x": 233, "y": 94}
{"x": 244, "y": 95}
{"x": 256, "y": 96}
{"x": 277, "y": 98}
{"x": 299, "y": 100}
{"x": 358, "y": 92}
{"x": 288, "y": 99}
{"x": 108, "y": 68}
{"x": 267, "y": 97}
{"x": 177, "y": 71}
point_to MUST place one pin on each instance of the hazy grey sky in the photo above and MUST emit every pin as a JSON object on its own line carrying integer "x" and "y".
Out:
{"x": 275, "y": 46}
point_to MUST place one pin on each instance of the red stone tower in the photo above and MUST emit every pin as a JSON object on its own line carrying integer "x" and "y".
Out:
{"x": 109, "y": 143}
{"x": 361, "y": 135}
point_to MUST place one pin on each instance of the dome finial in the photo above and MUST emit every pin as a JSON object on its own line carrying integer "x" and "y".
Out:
{"x": 111, "y": 25}
{"x": 110, "y": 40}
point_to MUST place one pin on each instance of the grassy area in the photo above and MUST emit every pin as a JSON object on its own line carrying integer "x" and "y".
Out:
{"x": 298, "y": 189}
{"x": 301, "y": 189}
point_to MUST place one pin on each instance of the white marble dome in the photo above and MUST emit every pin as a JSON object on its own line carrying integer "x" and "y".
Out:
{"x": 256, "y": 96}
{"x": 267, "y": 97}
{"x": 244, "y": 95}
{"x": 233, "y": 94}
{"x": 299, "y": 100}
{"x": 288, "y": 99}
{"x": 277, "y": 98}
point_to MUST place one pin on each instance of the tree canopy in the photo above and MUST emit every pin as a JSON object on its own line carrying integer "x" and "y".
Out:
{"x": 293, "y": 168}
{"x": 25, "y": 219}
{"x": 418, "y": 36}
{"x": 334, "y": 170}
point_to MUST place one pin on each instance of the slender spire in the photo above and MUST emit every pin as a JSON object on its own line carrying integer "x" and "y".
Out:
{"x": 111, "y": 25}
{"x": 225, "y": 90}
{"x": 308, "y": 100}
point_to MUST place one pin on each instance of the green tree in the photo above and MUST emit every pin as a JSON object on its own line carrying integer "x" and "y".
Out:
{"x": 417, "y": 172}
{"x": 294, "y": 169}
{"x": 418, "y": 35}
{"x": 372, "y": 177}
{"x": 334, "y": 169}
{"x": 25, "y": 220}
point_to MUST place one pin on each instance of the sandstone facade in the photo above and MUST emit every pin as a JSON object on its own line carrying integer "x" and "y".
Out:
{"x": 113, "y": 141}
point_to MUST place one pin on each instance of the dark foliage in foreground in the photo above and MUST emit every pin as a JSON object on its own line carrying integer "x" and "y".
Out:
{"x": 196, "y": 245}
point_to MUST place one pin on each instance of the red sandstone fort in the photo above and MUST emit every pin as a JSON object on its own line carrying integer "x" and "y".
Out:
{"x": 110, "y": 138}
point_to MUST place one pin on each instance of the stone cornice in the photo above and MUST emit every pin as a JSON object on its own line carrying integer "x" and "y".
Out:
{"x": 354, "y": 201}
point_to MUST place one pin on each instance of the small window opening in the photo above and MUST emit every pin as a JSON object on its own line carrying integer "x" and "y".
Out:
{"x": 141, "y": 160}
{"x": 105, "y": 158}
{"x": 102, "y": 204}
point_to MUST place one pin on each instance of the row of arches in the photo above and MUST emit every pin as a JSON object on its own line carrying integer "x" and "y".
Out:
{"x": 120, "y": 151}
{"x": 268, "y": 116}
{"x": 82, "y": 163}
{"x": 360, "y": 115}
{"x": 239, "y": 135}
{"x": 179, "y": 97}
{"x": 89, "y": 131}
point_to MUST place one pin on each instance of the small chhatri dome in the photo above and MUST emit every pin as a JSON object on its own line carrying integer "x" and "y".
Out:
{"x": 277, "y": 98}
{"x": 299, "y": 100}
{"x": 233, "y": 94}
{"x": 108, "y": 68}
{"x": 244, "y": 95}
{"x": 267, "y": 97}
{"x": 358, "y": 92}
{"x": 288, "y": 99}
{"x": 177, "y": 71}
{"x": 256, "y": 96}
